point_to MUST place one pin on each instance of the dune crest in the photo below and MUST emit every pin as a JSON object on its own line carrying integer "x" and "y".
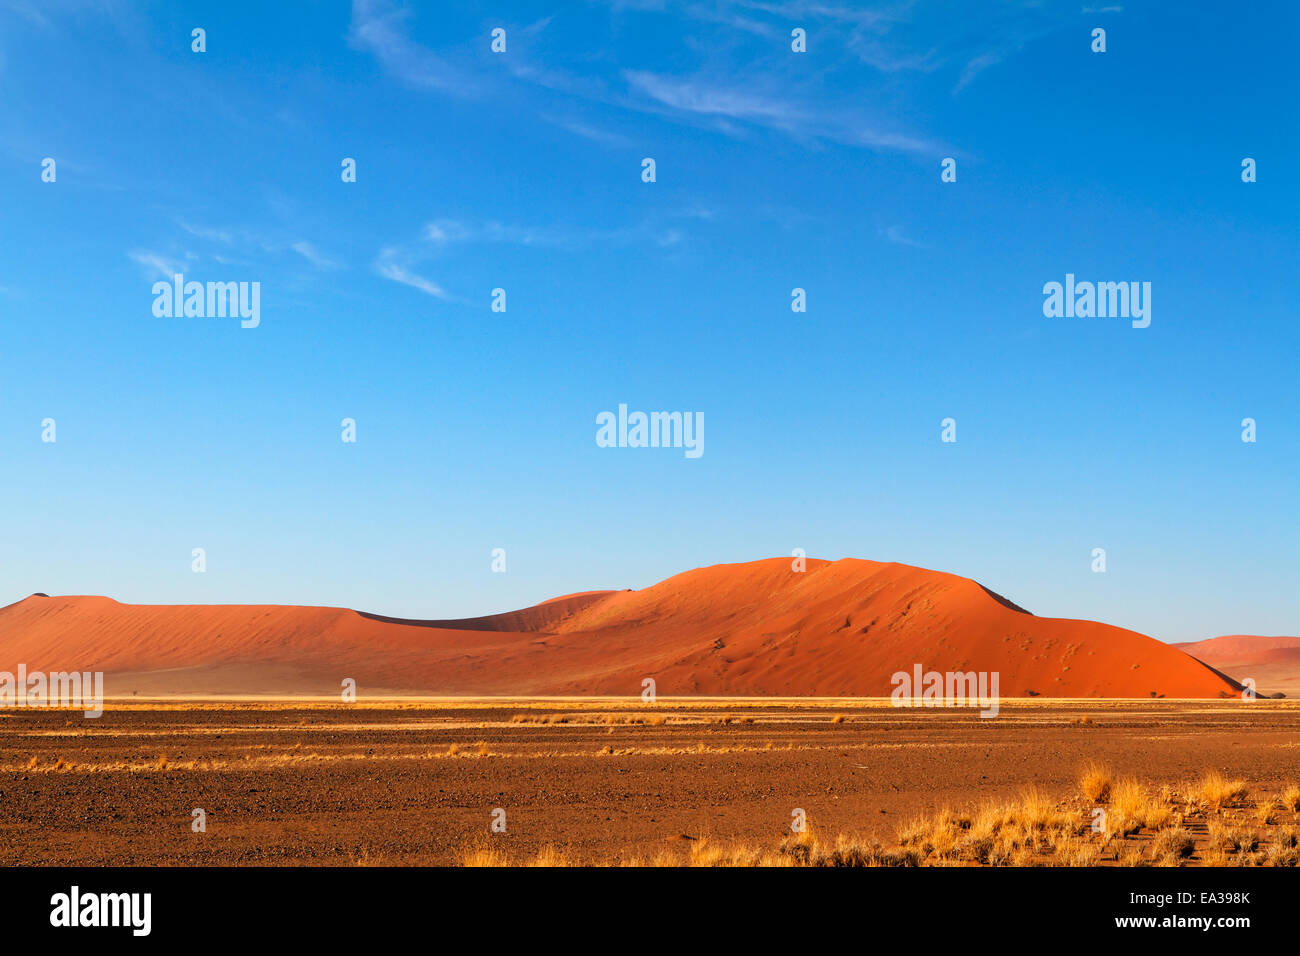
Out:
{"x": 838, "y": 628}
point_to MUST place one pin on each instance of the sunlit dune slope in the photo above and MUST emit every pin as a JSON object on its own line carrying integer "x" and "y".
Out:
{"x": 760, "y": 628}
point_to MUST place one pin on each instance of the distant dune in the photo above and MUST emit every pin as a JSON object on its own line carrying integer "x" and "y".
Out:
{"x": 1272, "y": 662}
{"x": 837, "y": 628}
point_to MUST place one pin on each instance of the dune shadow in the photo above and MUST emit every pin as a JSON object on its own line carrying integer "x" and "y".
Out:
{"x": 1003, "y": 601}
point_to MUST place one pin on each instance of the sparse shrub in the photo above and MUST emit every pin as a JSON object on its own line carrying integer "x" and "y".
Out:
{"x": 1217, "y": 792}
{"x": 1291, "y": 798}
{"x": 799, "y": 847}
{"x": 900, "y": 857}
{"x": 1129, "y": 807}
{"x": 1072, "y": 850}
{"x": 1175, "y": 843}
{"x": 1231, "y": 839}
{"x": 1283, "y": 851}
{"x": 978, "y": 849}
{"x": 1095, "y": 782}
{"x": 1037, "y": 810}
{"x": 1215, "y": 856}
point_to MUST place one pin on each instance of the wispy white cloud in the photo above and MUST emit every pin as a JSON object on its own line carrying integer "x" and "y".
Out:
{"x": 694, "y": 96}
{"x": 707, "y": 99}
{"x": 157, "y": 265}
{"x": 721, "y": 13}
{"x": 587, "y": 131}
{"x": 1012, "y": 28}
{"x": 878, "y": 55}
{"x": 830, "y": 12}
{"x": 313, "y": 255}
{"x": 446, "y": 231}
{"x": 406, "y": 262}
{"x": 388, "y": 267}
{"x": 204, "y": 232}
{"x": 537, "y": 26}
{"x": 380, "y": 29}
{"x": 895, "y": 235}
{"x": 377, "y": 28}
{"x": 398, "y": 273}
{"x": 239, "y": 245}
{"x": 443, "y": 233}
{"x": 975, "y": 66}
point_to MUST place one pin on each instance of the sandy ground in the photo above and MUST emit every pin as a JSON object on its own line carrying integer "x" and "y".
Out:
{"x": 405, "y": 782}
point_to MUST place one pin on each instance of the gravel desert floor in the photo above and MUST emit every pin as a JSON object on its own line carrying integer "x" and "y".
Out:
{"x": 421, "y": 782}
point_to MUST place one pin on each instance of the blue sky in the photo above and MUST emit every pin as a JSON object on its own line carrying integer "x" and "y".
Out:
{"x": 775, "y": 170}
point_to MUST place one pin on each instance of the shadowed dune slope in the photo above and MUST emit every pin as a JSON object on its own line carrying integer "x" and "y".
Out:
{"x": 760, "y": 628}
{"x": 1272, "y": 662}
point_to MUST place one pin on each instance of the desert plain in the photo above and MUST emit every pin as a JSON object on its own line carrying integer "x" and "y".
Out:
{"x": 619, "y": 781}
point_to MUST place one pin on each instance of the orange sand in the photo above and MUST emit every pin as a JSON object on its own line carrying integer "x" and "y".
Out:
{"x": 838, "y": 628}
{"x": 1272, "y": 662}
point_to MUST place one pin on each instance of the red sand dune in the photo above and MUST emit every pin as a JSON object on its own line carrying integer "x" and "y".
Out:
{"x": 837, "y": 628}
{"x": 1272, "y": 662}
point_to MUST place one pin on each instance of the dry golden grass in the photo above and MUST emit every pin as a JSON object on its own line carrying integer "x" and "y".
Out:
{"x": 1144, "y": 828}
{"x": 587, "y": 720}
{"x": 1291, "y": 798}
{"x": 1217, "y": 792}
{"x": 549, "y": 857}
{"x": 1076, "y": 850}
{"x": 1173, "y": 845}
{"x": 1232, "y": 839}
{"x": 484, "y": 856}
{"x": 1266, "y": 812}
{"x": 1216, "y": 856}
{"x": 1095, "y": 782}
{"x": 1133, "y": 807}
{"x": 1128, "y": 801}
{"x": 491, "y": 856}
{"x": 1284, "y": 848}
{"x": 1038, "y": 811}
{"x": 1035, "y": 830}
